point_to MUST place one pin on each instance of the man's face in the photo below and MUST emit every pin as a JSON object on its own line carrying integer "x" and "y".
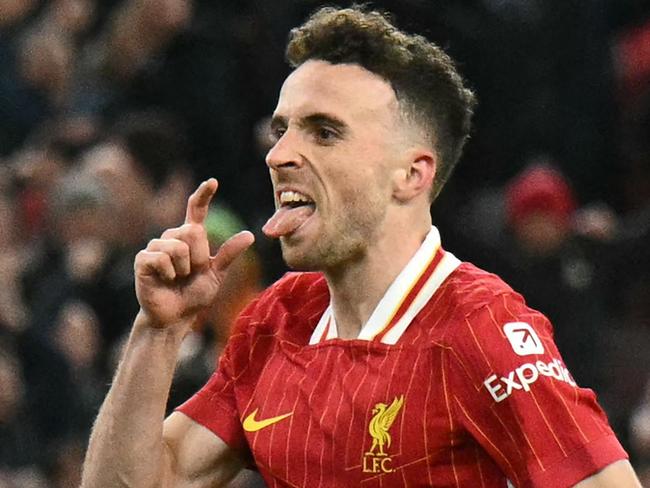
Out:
{"x": 338, "y": 145}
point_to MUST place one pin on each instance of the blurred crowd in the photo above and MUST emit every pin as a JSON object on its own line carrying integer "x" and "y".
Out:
{"x": 111, "y": 111}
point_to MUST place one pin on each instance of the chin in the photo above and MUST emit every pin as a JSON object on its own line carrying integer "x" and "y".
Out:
{"x": 319, "y": 256}
{"x": 297, "y": 259}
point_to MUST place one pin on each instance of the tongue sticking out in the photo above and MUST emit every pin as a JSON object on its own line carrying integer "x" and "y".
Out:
{"x": 286, "y": 220}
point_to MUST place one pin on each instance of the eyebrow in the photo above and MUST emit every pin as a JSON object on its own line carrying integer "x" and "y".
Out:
{"x": 315, "y": 119}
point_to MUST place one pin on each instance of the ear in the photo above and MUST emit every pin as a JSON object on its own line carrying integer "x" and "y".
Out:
{"x": 416, "y": 176}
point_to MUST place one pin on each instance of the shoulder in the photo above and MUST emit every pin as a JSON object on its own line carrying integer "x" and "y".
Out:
{"x": 290, "y": 294}
{"x": 295, "y": 286}
{"x": 295, "y": 299}
{"x": 512, "y": 391}
{"x": 493, "y": 330}
{"x": 471, "y": 289}
{"x": 480, "y": 297}
{"x": 489, "y": 321}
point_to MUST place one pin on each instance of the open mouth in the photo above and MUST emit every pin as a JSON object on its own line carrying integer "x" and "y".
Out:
{"x": 294, "y": 199}
{"x": 294, "y": 209}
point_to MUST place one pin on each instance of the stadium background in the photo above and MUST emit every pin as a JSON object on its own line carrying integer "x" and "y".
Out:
{"x": 112, "y": 110}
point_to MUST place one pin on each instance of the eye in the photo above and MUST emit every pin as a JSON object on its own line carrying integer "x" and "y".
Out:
{"x": 325, "y": 135}
{"x": 276, "y": 133}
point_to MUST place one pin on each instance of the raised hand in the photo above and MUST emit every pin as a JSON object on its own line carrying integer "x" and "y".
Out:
{"x": 175, "y": 276}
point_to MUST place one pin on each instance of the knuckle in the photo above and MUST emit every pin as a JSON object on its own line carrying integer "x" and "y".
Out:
{"x": 139, "y": 258}
{"x": 162, "y": 258}
{"x": 201, "y": 232}
{"x": 170, "y": 233}
{"x": 178, "y": 250}
{"x": 193, "y": 232}
{"x": 182, "y": 249}
{"x": 153, "y": 244}
{"x": 145, "y": 259}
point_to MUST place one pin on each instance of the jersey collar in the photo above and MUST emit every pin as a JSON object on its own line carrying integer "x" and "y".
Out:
{"x": 406, "y": 296}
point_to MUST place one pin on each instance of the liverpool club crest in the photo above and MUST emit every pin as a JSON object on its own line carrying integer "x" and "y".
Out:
{"x": 377, "y": 459}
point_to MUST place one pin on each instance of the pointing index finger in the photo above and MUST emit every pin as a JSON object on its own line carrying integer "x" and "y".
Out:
{"x": 199, "y": 202}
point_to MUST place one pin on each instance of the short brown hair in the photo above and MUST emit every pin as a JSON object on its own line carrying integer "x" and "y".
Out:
{"x": 425, "y": 79}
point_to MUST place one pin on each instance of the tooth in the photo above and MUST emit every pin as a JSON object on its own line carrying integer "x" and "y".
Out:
{"x": 292, "y": 196}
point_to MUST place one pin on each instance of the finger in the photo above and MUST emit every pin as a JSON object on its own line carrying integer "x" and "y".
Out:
{"x": 199, "y": 202}
{"x": 178, "y": 251}
{"x": 231, "y": 249}
{"x": 196, "y": 238}
{"x": 149, "y": 263}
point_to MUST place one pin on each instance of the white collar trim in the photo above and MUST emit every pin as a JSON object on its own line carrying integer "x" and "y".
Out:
{"x": 384, "y": 323}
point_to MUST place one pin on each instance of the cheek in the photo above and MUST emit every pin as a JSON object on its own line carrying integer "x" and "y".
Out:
{"x": 374, "y": 181}
{"x": 356, "y": 176}
{"x": 361, "y": 195}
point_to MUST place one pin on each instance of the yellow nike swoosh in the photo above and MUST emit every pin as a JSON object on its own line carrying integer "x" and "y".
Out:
{"x": 252, "y": 425}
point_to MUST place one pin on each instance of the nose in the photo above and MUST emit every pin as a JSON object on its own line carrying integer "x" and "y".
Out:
{"x": 284, "y": 153}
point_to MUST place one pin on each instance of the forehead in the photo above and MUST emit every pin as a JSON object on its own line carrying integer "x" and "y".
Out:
{"x": 348, "y": 90}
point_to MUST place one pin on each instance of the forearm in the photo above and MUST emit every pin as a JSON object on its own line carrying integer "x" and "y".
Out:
{"x": 126, "y": 447}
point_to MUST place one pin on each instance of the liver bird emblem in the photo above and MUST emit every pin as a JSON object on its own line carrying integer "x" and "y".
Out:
{"x": 384, "y": 416}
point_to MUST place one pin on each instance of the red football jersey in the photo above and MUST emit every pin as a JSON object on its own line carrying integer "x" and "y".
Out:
{"x": 452, "y": 382}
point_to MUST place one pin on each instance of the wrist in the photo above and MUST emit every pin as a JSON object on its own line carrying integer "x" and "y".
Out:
{"x": 145, "y": 324}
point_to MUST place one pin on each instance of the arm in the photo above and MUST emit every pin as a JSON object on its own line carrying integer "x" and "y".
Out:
{"x": 618, "y": 474}
{"x": 196, "y": 457}
{"x": 542, "y": 429}
{"x": 176, "y": 279}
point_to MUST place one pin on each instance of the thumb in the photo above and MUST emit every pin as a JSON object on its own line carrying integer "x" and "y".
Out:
{"x": 230, "y": 250}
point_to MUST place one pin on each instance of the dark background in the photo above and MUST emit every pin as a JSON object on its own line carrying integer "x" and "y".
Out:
{"x": 111, "y": 111}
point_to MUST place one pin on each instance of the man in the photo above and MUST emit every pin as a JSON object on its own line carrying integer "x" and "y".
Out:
{"x": 395, "y": 364}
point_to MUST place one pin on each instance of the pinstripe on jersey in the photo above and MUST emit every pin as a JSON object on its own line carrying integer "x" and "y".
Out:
{"x": 449, "y": 431}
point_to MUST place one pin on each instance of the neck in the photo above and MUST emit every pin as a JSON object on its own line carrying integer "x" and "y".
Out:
{"x": 356, "y": 287}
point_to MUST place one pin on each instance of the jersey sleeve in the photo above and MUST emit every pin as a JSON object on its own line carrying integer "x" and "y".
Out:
{"x": 215, "y": 405}
{"x": 514, "y": 395}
